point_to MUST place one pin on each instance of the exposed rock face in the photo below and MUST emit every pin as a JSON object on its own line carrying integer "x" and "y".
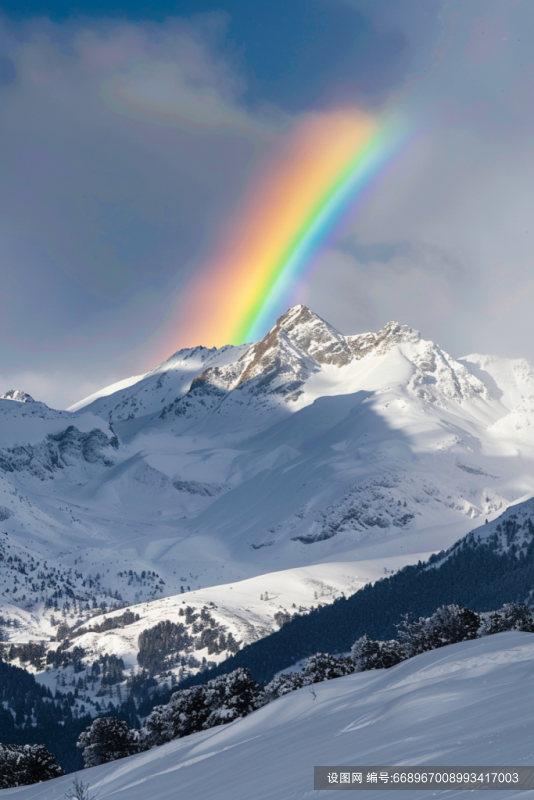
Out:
{"x": 59, "y": 450}
{"x": 439, "y": 373}
{"x": 299, "y": 345}
{"x": 307, "y": 333}
{"x": 379, "y": 343}
{"x": 305, "y": 336}
{"x": 278, "y": 365}
{"x": 18, "y": 395}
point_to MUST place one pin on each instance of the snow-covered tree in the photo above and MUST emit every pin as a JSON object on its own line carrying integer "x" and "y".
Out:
{"x": 511, "y": 617}
{"x": 107, "y": 739}
{"x": 369, "y": 654}
{"x": 185, "y": 713}
{"x": 448, "y": 625}
{"x": 219, "y": 701}
{"x": 230, "y": 697}
{"x": 324, "y": 667}
{"x": 22, "y": 765}
{"x": 320, "y": 667}
{"x": 278, "y": 687}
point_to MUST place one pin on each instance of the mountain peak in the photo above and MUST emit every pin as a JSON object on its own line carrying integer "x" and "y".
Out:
{"x": 311, "y": 335}
{"x": 297, "y": 315}
{"x": 391, "y": 334}
{"x": 325, "y": 344}
{"x": 300, "y": 335}
{"x": 297, "y": 335}
{"x": 18, "y": 395}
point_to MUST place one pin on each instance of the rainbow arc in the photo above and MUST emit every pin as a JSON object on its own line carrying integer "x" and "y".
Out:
{"x": 287, "y": 217}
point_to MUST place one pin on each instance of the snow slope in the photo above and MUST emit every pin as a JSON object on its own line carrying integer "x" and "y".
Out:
{"x": 218, "y": 620}
{"x": 466, "y": 704}
{"x": 163, "y": 384}
{"x": 247, "y": 610}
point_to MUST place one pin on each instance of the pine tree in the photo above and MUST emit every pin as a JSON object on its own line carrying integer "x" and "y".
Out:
{"x": 369, "y": 654}
{"x": 318, "y": 668}
{"x": 21, "y": 765}
{"x": 230, "y": 697}
{"x": 512, "y": 616}
{"x": 448, "y": 625}
{"x": 324, "y": 667}
{"x": 107, "y": 739}
{"x": 201, "y": 707}
{"x": 279, "y": 686}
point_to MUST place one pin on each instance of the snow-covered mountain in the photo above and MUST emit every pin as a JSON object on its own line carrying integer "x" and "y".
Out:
{"x": 221, "y": 465}
{"x": 467, "y": 704}
{"x": 214, "y": 623}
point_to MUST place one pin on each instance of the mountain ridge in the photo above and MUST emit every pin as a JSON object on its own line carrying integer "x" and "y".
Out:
{"x": 220, "y": 465}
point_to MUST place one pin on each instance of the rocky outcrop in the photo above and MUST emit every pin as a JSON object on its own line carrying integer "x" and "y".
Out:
{"x": 59, "y": 450}
{"x": 18, "y": 395}
{"x": 379, "y": 343}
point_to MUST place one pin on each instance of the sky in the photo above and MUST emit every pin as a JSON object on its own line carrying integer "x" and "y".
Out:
{"x": 130, "y": 135}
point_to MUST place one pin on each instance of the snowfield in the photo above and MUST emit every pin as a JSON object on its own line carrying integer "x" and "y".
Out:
{"x": 463, "y": 705}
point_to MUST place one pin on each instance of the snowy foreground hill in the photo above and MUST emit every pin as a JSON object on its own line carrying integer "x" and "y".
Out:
{"x": 468, "y": 704}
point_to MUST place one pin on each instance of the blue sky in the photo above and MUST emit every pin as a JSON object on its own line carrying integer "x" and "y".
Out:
{"x": 290, "y": 52}
{"x": 107, "y": 209}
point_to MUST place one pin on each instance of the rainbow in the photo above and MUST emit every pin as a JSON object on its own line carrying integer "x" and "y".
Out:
{"x": 287, "y": 217}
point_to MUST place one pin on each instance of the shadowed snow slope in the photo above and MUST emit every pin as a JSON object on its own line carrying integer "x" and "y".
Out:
{"x": 463, "y": 705}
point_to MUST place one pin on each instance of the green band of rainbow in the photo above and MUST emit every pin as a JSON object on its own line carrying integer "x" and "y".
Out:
{"x": 307, "y": 243}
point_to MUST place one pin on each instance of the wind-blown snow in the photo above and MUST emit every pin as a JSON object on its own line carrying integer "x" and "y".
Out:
{"x": 106, "y": 391}
{"x": 463, "y": 705}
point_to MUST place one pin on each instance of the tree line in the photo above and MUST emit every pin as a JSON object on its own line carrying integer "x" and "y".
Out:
{"x": 229, "y": 697}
